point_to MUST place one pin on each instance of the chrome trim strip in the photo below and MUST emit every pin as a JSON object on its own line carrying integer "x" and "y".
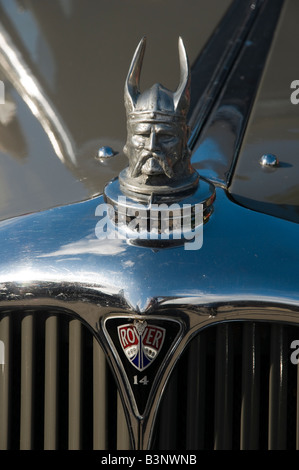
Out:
{"x": 211, "y": 69}
{"x": 224, "y": 106}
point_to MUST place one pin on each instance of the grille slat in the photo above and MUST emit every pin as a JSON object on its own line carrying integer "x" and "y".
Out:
{"x": 195, "y": 413}
{"x": 51, "y": 383}
{"x": 170, "y": 410}
{"x": 250, "y": 406}
{"x": 224, "y": 388}
{"x": 27, "y": 387}
{"x": 278, "y": 389}
{"x": 75, "y": 384}
{"x": 100, "y": 398}
{"x": 123, "y": 438}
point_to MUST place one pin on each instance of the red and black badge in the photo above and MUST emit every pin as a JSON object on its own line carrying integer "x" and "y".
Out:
{"x": 141, "y": 342}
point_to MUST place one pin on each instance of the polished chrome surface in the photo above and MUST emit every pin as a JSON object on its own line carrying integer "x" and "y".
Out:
{"x": 156, "y": 220}
{"x": 57, "y": 245}
{"x": 54, "y": 259}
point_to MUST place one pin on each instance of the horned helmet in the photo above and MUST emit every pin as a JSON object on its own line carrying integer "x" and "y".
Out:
{"x": 157, "y": 132}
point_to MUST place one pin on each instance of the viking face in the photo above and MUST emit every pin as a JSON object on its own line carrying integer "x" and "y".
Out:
{"x": 154, "y": 148}
{"x": 156, "y": 122}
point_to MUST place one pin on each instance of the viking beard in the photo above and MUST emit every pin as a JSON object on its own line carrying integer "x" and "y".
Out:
{"x": 145, "y": 156}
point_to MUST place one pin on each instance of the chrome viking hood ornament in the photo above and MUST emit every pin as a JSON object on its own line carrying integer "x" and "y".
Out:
{"x": 159, "y": 169}
{"x": 157, "y": 132}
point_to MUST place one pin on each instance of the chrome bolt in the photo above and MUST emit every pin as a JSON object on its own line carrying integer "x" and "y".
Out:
{"x": 269, "y": 160}
{"x": 105, "y": 152}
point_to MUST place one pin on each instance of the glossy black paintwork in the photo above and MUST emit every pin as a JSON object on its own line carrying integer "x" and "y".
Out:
{"x": 79, "y": 54}
{"x": 76, "y": 81}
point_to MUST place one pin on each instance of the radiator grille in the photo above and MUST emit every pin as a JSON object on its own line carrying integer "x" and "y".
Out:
{"x": 234, "y": 387}
{"x": 56, "y": 391}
